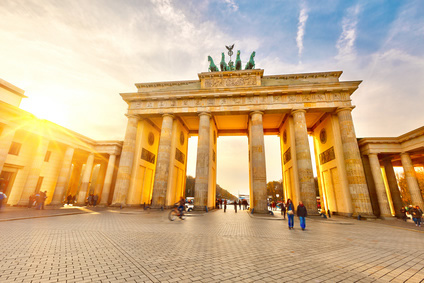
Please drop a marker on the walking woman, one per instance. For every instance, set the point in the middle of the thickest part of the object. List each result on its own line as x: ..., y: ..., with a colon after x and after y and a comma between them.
x: 290, y: 213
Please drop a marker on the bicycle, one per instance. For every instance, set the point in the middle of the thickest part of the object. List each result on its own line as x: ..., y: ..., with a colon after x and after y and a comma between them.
x: 174, y: 213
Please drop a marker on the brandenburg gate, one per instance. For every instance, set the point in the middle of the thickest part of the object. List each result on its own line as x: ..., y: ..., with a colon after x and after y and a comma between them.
x: 163, y: 115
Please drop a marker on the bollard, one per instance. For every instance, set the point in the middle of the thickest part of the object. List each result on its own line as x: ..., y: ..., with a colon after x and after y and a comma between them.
x: 161, y: 208
x: 206, y: 208
x: 251, y: 212
x: 359, y: 217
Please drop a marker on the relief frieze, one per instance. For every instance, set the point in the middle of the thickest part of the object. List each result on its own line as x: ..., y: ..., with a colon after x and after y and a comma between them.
x: 287, y: 156
x: 327, y: 156
x: 179, y: 156
x: 230, y: 82
x: 148, y: 156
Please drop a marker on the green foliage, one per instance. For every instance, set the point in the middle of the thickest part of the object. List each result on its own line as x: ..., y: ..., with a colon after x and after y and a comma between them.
x: 220, y: 192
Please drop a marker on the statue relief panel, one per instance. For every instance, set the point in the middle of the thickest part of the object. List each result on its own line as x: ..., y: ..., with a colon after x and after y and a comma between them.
x: 229, y: 82
x: 292, y: 98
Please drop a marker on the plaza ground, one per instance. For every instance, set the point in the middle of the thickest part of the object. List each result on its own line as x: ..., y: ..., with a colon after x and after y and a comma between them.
x: 132, y: 245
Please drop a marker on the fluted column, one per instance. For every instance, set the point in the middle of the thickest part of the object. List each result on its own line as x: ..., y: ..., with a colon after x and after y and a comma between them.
x: 6, y: 139
x: 202, y: 164
x: 394, y: 189
x: 85, y: 179
x: 34, y: 172
x: 411, y: 180
x: 304, y: 163
x: 108, y: 179
x: 354, y: 169
x: 63, y: 177
x: 383, y: 201
x: 125, y: 163
x: 258, y: 165
x: 160, y: 185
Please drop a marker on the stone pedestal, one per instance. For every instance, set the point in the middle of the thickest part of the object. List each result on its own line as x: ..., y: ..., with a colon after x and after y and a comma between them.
x: 108, y: 180
x: 202, y: 164
x: 258, y: 166
x: 125, y: 163
x: 354, y: 169
x: 383, y: 202
x: 82, y: 195
x: 411, y: 180
x: 62, y: 180
x: 160, y: 185
x: 34, y: 172
x: 304, y: 163
x: 394, y: 189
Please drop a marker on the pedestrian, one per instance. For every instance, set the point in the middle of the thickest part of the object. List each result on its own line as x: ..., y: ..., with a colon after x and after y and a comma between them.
x: 68, y: 199
x: 74, y: 199
x: 413, y: 213
x: 95, y: 199
x: 302, y: 213
x: 235, y: 206
x: 225, y: 205
x: 329, y: 213
x: 2, y: 198
x: 43, y: 196
x: 274, y: 205
x: 403, y: 212
x: 220, y: 203
x: 31, y: 200
x: 217, y: 203
x: 38, y: 201
x: 283, y: 210
x: 239, y: 203
x: 418, y: 215
x: 290, y: 213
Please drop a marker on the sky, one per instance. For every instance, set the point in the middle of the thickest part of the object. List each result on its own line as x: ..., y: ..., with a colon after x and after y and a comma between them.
x: 73, y: 58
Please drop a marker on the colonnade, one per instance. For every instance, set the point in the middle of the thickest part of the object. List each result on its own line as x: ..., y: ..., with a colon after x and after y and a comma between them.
x: 384, y: 200
x: 353, y: 173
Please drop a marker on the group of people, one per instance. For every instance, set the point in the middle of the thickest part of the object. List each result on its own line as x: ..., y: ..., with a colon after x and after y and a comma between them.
x: 92, y: 200
x: 219, y: 204
x: 301, y: 212
x: 273, y: 205
x: 2, y: 197
x: 37, y: 200
x: 415, y: 212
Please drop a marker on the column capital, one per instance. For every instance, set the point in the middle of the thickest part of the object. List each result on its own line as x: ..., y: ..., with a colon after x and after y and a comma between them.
x: 404, y: 153
x: 348, y: 108
x: 294, y: 111
x: 256, y: 112
x: 203, y: 113
x: 168, y: 115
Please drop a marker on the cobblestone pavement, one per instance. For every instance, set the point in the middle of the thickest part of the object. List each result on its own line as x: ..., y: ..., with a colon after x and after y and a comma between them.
x: 135, y: 246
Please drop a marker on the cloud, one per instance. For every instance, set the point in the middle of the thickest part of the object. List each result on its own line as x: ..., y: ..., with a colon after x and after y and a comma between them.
x: 346, y: 41
x: 303, y: 17
x: 232, y: 5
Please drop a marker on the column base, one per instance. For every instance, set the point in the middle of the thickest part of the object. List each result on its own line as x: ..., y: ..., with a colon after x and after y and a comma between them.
x: 203, y: 208
x: 55, y: 204
x: 363, y: 215
x: 387, y: 217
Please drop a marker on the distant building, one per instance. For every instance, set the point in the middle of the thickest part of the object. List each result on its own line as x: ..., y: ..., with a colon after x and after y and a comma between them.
x: 38, y: 155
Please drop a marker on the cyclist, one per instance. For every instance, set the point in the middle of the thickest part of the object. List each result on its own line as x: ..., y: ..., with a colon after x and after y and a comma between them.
x: 181, y: 206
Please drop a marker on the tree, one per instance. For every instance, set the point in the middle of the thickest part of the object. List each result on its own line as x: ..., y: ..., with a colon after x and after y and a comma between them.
x: 273, y: 188
x: 220, y: 192
x: 403, y: 186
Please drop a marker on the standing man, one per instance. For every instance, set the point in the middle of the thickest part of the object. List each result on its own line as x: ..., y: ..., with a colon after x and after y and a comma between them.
x: 2, y: 197
x: 283, y: 210
x: 302, y: 213
x: 290, y: 213
x: 225, y: 205
x: 235, y: 206
x: 43, y: 198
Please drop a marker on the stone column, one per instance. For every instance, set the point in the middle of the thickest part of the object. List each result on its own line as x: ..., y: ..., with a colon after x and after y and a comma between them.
x: 394, y: 189
x: 304, y: 163
x: 34, y: 172
x: 202, y: 164
x: 6, y: 139
x: 258, y: 165
x: 126, y: 163
x: 85, y: 179
x: 108, y: 180
x: 411, y: 180
x: 383, y: 201
x: 63, y: 177
x: 354, y: 168
x: 160, y: 184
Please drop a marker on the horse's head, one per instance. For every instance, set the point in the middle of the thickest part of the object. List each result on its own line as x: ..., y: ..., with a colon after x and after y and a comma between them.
x: 209, y: 58
x: 253, y: 54
x: 238, y: 53
x: 223, y: 55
